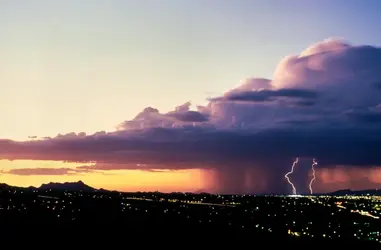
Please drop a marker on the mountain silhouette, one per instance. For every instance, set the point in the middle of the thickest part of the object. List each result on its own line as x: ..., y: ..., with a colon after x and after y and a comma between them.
x: 68, y: 186
x: 356, y: 192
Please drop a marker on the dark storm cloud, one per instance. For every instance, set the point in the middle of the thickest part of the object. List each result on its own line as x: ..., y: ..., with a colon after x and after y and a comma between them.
x: 305, y: 103
x: 330, y: 146
x: 268, y: 95
x: 364, y: 116
x: 232, y: 154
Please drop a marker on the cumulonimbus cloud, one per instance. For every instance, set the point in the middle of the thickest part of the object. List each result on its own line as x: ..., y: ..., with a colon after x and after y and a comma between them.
x: 323, y: 103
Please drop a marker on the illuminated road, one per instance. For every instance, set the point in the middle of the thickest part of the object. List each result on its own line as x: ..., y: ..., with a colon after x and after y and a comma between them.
x: 364, y: 213
x: 183, y: 201
x: 47, y: 197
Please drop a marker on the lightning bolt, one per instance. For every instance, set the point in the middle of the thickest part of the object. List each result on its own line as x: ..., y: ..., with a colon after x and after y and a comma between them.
x: 314, y: 163
x: 288, y: 179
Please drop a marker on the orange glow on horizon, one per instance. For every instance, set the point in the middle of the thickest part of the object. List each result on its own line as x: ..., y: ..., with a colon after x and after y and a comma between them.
x: 121, y: 180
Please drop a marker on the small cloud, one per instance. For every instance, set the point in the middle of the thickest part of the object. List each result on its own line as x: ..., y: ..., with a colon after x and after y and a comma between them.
x: 45, y: 171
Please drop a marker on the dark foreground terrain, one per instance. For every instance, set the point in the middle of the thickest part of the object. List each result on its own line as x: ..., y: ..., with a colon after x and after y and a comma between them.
x: 184, y: 219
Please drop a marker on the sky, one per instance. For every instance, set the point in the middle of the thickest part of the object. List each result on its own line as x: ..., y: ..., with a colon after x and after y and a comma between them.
x: 190, y: 95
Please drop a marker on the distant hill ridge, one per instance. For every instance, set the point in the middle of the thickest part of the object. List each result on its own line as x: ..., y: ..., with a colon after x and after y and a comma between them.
x: 69, y: 186
x: 81, y: 186
x: 356, y: 192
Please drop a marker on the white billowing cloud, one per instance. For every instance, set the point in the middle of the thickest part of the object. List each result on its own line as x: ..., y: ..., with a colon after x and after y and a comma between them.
x: 182, y: 115
x: 328, y: 63
x: 313, y: 66
x: 252, y: 84
x: 183, y: 108
x: 344, y: 78
x: 327, y: 45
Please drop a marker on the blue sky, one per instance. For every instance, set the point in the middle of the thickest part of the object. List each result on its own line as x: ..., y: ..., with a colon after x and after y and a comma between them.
x: 88, y: 65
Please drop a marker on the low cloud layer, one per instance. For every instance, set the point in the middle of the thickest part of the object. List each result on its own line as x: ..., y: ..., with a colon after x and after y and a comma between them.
x: 47, y: 171
x: 323, y: 103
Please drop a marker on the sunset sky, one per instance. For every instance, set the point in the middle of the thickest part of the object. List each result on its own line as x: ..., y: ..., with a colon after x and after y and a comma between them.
x: 176, y: 95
